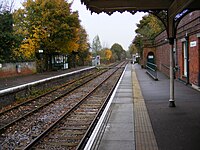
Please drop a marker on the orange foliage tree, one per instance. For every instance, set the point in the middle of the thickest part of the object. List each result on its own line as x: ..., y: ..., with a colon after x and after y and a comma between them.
x: 49, y: 25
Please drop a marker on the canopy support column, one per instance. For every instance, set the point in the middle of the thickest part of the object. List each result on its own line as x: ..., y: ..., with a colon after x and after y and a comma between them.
x: 171, y: 100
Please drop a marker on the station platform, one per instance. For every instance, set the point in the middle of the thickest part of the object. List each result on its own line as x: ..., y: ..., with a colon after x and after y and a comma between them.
x: 129, y: 126
x: 119, y: 131
x: 140, y: 118
x: 10, y: 82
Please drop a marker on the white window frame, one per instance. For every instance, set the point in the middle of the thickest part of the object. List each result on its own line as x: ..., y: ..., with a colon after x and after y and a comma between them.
x: 184, y: 59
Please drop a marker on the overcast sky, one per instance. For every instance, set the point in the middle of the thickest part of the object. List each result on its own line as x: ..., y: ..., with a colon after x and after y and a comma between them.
x: 117, y: 28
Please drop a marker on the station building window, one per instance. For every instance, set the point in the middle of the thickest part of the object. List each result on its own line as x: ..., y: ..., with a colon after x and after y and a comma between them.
x: 184, y: 54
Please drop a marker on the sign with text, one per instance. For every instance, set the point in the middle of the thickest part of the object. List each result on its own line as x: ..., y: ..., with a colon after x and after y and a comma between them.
x: 193, y: 43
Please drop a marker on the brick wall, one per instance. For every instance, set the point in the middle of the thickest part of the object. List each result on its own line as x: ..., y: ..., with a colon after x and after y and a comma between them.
x: 17, y: 69
x: 162, y: 58
x: 194, y: 59
x: 146, y: 51
x: 190, y: 26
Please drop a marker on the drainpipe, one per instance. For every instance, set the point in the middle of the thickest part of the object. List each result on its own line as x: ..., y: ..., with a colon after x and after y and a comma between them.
x: 199, y: 71
x: 199, y: 61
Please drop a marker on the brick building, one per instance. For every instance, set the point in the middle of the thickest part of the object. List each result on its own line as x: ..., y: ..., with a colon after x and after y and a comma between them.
x: 186, y: 50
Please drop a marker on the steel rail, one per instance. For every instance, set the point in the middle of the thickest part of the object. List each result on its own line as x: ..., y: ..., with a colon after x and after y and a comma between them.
x: 52, y: 126
x: 44, y: 94
x: 12, y: 89
x: 93, y: 139
x: 63, y: 85
x: 96, y: 119
x: 46, y: 104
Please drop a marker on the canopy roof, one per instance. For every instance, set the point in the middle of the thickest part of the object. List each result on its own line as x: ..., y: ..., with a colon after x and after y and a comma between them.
x: 170, y: 12
x: 110, y: 6
x: 174, y: 10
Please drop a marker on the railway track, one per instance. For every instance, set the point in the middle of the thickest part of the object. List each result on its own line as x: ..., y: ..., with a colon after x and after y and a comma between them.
x: 16, y: 113
x: 41, y: 122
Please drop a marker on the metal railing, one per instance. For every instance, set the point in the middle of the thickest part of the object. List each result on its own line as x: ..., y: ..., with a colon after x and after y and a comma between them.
x: 151, y: 69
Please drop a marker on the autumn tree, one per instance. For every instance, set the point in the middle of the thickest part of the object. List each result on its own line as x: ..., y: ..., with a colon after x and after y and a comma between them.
x: 108, y: 54
x: 132, y: 49
x: 84, y: 46
x: 105, y: 55
x: 49, y: 25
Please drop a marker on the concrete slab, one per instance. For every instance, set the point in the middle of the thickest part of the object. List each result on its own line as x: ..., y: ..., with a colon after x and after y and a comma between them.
x: 123, y: 95
x: 119, y: 132
x: 117, y: 145
x: 121, y: 117
x: 124, y: 100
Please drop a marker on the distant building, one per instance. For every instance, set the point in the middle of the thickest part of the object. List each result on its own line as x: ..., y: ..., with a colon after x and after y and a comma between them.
x: 96, y: 61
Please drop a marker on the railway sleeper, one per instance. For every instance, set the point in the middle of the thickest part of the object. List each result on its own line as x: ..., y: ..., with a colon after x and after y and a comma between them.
x: 67, y: 137
x: 88, y: 110
x: 78, y: 112
x: 69, y: 144
x: 82, y: 116
x: 78, y: 119
x: 96, y: 96
x: 70, y: 132
x: 94, y: 101
x: 71, y: 123
x: 74, y: 127
x: 91, y: 105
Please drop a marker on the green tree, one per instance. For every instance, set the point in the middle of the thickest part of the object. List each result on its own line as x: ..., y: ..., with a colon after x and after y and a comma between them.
x: 6, y: 37
x: 147, y: 29
x: 84, y: 46
x: 96, y: 44
x: 119, y: 51
x: 149, y: 26
x: 132, y: 49
x: 8, y: 40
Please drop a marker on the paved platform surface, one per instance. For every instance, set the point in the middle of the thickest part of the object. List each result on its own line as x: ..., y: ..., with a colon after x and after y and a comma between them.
x: 119, y: 131
x: 147, y: 119
x: 129, y: 126
x: 175, y: 128
x: 19, y: 80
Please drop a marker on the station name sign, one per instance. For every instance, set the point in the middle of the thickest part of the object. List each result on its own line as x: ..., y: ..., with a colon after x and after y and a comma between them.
x: 193, y: 43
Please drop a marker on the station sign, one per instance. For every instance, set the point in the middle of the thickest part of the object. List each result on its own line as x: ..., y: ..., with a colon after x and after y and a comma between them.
x: 193, y: 43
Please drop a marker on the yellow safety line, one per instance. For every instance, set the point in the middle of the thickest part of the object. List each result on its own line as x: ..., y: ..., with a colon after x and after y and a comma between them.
x: 144, y: 135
